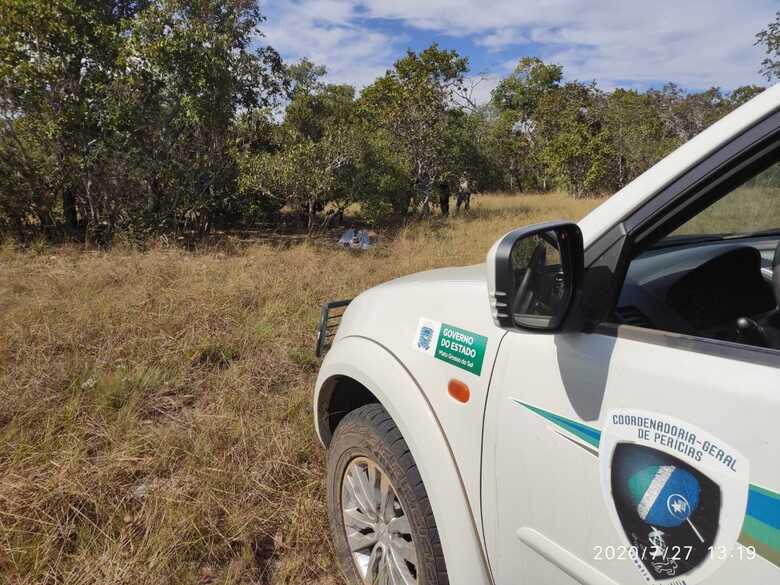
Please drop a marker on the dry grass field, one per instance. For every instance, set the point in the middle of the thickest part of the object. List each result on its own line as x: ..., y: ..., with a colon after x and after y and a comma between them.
x: 155, y: 418
x: 746, y: 209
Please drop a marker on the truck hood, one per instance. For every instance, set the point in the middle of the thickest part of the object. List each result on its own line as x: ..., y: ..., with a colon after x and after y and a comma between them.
x: 389, y: 313
x: 475, y: 275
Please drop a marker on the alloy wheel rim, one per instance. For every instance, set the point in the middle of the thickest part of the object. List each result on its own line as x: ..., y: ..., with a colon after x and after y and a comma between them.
x: 377, y: 528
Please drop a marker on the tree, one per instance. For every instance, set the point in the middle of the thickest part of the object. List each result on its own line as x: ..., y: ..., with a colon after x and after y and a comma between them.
x: 304, y: 77
x: 516, y: 100
x: 124, y: 110
x: 196, y: 70
x: 743, y: 94
x: 321, y: 146
x: 414, y: 103
x: 638, y: 135
x: 310, y: 114
x: 305, y: 175
x: 575, y: 145
x: 528, y: 83
x: 57, y: 62
x: 769, y: 38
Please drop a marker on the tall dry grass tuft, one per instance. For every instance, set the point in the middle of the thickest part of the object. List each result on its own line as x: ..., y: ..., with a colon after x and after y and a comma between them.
x: 156, y: 422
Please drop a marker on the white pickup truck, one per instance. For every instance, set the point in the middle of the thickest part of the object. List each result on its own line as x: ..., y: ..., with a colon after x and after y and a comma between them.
x: 598, y: 403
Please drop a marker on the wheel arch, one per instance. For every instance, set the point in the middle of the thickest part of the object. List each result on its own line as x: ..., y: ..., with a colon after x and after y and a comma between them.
x: 357, y: 371
x: 337, y: 397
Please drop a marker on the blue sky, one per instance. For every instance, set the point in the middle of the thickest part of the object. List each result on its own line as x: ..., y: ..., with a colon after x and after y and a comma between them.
x: 619, y: 44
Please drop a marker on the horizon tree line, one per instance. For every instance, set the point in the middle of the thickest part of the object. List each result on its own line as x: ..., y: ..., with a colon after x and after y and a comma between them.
x: 148, y: 117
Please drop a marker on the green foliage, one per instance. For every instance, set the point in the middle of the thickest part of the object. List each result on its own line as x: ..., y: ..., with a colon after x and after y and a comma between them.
x: 639, y: 137
x: 574, y: 137
x: 160, y: 116
x: 305, y: 174
x: 319, y: 158
x: 574, y: 144
x: 413, y: 103
x: 769, y: 38
x: 523, y: 89
x: 121, y: 114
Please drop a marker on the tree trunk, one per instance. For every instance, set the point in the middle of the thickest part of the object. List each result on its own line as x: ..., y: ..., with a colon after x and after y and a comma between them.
x: 154, y: 198
x: 444, y: 201
x: 311, y: 214
x: 69, y: 211
x: 425, y: 199
x: 425, y: 203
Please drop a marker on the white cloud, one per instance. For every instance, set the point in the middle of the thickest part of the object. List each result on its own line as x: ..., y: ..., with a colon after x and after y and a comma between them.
x: 327, y: 33
x: 502, y: 38
x: 697, y: 44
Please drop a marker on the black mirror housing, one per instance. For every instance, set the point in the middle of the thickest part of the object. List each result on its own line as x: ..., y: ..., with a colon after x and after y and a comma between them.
x: 534, y: 275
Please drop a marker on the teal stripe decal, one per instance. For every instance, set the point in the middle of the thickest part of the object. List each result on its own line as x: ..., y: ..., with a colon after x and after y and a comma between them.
x: 762, y: 517
x: 588, y: 434
x: 764, y: 505
x: 762, y: 523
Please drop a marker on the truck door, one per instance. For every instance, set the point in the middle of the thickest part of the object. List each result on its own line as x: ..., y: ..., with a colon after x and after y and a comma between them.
x: 547, y: 516
x: 647, y: 452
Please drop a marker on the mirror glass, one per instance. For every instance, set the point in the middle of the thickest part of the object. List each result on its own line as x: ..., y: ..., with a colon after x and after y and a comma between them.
x: 541, y: 263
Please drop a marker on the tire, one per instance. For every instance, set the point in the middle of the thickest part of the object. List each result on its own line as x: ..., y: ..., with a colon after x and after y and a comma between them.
x: 367, y: 439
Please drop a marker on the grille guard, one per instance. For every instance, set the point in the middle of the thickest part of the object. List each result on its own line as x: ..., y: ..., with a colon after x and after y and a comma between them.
x: 329, y: 324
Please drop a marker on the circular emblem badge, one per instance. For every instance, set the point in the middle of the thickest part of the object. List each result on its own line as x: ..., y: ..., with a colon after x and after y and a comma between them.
x: 670, y: 498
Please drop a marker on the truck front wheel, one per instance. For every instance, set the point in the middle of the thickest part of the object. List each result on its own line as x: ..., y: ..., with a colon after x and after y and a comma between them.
x: 383, y: 527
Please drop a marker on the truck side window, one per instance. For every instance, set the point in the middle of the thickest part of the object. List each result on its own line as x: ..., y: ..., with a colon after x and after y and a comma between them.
x: 717, y: 274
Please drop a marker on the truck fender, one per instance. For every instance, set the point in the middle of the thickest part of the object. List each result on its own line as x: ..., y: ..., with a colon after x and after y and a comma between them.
x: 379, y: 370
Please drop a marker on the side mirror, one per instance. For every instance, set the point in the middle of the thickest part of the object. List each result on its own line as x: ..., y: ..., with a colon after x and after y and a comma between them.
x: 533, y: 275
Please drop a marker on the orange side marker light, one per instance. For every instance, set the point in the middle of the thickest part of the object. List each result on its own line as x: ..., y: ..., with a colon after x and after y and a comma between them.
x: 459, y: 391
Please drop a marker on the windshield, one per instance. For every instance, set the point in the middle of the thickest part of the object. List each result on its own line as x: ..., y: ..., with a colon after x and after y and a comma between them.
x: 750, y: 209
